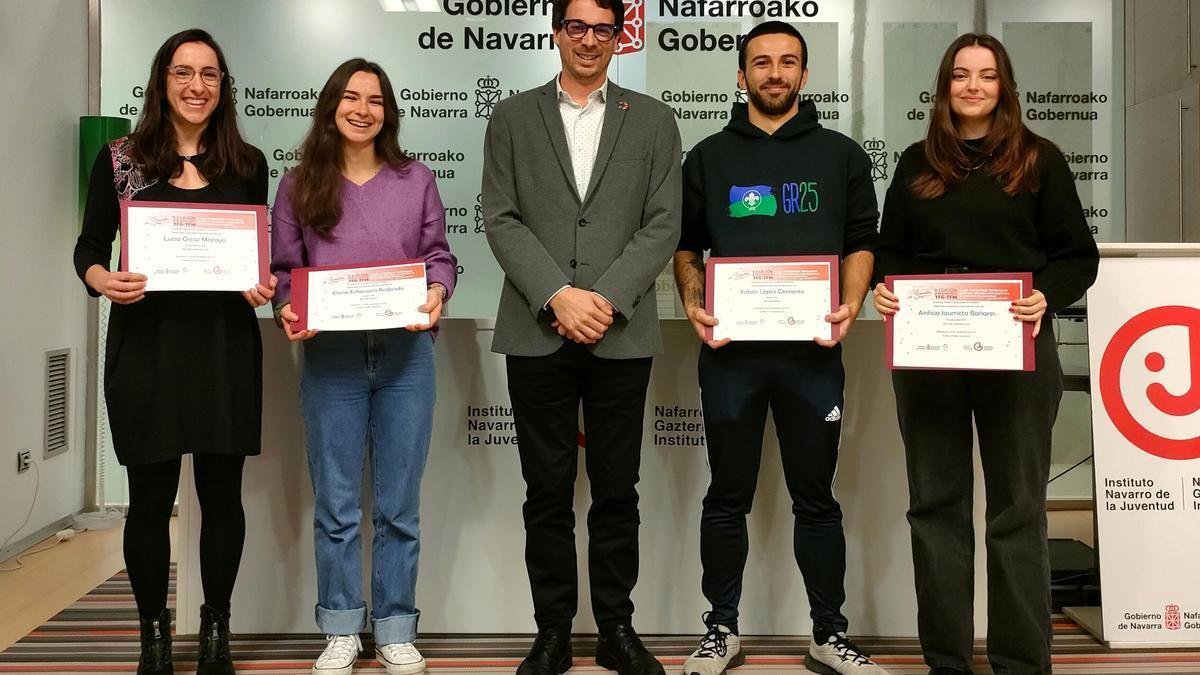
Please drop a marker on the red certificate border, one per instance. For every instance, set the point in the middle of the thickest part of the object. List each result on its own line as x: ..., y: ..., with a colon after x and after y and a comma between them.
x: 260, y: 212
x: 299, y: 299
x: 1026, y: 279
x: 834, y: 277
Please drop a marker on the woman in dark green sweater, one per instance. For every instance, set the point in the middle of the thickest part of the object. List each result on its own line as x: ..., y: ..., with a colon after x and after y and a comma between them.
x: 983, y: 193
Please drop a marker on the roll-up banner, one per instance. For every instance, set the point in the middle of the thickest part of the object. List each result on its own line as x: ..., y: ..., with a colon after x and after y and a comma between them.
x: 1144, y: 335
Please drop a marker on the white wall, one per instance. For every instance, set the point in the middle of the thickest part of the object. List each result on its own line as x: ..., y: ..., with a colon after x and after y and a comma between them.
x: 43, y: 49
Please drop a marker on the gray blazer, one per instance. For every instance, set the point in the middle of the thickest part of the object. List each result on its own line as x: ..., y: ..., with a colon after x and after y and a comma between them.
x: 614, y: 241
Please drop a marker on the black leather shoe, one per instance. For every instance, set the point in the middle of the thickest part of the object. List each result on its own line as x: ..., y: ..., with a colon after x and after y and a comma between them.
x: 156, y: 645
x: 550, y: 654
x: 214, y: 643
x: 620, y: 649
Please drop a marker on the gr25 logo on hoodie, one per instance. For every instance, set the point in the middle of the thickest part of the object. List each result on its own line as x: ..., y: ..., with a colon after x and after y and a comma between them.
x: 760, y: 200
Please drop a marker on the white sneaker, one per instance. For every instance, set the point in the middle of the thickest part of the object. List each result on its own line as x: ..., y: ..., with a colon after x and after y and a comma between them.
x: 400, y: 658
x: 840, y: 656
x: 339, y: 656
x: 719, y: 650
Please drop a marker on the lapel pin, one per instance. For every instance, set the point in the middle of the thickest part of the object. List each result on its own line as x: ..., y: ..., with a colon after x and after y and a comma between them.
x: 622, y: 105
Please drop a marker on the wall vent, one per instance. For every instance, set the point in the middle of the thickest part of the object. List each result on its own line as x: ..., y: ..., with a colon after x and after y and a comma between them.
x: 58, y: 400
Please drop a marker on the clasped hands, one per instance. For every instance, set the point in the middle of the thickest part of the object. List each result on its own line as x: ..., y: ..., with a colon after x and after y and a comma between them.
x: 581, y: 316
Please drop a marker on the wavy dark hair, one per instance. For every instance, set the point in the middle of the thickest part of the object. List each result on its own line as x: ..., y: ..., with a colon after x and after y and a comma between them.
x: 317, y: 192
x: 1011, y: 148
x: 154, y: 148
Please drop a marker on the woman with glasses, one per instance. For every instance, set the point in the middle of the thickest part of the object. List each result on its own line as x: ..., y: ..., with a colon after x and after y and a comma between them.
x: 354, y: 199
x: 983, y: 193
x: 183, y: 369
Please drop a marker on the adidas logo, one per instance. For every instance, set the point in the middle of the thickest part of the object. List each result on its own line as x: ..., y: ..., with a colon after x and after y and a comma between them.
x: 834, y: 415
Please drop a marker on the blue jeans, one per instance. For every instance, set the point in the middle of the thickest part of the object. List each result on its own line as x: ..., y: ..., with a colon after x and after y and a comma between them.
x: 368, y: 390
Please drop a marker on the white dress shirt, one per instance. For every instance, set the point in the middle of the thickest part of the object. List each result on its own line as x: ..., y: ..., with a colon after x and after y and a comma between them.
x: 583, y: 124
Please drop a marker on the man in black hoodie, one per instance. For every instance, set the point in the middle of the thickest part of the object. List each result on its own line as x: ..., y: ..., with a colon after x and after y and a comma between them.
x: 774, y: 145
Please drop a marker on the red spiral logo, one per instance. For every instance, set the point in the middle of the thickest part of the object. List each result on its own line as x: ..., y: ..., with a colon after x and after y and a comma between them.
x: 1175, y: 405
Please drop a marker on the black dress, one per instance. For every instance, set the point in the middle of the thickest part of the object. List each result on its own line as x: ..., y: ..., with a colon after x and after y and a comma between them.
x: 183, y: 369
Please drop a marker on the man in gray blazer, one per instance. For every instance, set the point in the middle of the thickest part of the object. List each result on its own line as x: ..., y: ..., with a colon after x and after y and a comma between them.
x: 581, y: 202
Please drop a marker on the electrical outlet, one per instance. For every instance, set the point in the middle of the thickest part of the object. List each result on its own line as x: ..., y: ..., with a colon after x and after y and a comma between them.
x: 23, y: 459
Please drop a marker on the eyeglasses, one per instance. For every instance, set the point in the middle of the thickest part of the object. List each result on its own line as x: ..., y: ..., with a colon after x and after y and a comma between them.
x: 576, y: 29
x: 184, y: 74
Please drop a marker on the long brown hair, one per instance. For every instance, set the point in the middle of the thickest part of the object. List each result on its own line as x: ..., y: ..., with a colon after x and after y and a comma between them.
x: 1010, y: 145
x: 317, y: 192
x: 154, y: 144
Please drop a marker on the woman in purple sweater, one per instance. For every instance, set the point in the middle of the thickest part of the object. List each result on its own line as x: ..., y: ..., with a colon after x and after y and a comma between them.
x: 357, y: 198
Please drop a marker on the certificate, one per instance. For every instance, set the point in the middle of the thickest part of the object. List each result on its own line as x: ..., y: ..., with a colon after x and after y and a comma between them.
x: 195, y: 247
x: 373, y: 296
x: 772, y: 297
x: 959, y: 322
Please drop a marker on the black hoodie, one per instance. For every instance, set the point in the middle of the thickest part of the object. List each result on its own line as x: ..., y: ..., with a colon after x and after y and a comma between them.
x: 804, y: 190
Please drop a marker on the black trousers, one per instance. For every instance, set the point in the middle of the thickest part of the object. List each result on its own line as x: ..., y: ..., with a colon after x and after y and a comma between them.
x: 1014, y: 413
x: 147, y: 544
x: 546, y: 393
x: 803, y: 385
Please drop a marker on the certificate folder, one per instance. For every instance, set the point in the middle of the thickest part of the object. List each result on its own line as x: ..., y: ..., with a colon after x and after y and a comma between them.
x: 1007, y: 286
x: 786, y: 268
x: 186, y: 209
x: 300, y: 293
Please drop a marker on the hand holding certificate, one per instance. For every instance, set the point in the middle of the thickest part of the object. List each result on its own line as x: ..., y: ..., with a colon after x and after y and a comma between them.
x: 375, y: 296
x: 195, y: 247
x: 772, y: 297
x: 959, y: 322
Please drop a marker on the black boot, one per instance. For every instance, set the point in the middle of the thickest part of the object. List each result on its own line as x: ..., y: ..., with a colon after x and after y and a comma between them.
x: 214, y: 643
x: 156, y: 645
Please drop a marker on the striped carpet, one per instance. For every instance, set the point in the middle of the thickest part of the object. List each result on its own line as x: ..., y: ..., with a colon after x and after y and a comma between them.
x: 98, y: 634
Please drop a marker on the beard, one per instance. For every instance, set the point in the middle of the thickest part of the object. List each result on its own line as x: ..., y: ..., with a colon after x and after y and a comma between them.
x: 768, y: 106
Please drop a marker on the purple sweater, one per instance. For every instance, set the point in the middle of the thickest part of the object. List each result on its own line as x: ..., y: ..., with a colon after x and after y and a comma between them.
x: 395, y: 215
